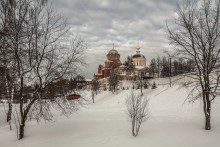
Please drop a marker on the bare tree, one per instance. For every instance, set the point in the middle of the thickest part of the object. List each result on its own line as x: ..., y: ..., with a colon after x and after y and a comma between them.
x: 165, y: 67
x: 95, y: 86
x: 139, y: 79
x: 113, y: 80
x: 158, y: 66
x: 7, y: 63
x: 40, y: 59
x: 153, y: 67
x: 137, y: 110
x: 196, y: 37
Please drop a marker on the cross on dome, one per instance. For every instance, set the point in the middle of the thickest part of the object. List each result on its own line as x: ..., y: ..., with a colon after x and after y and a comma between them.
x: 138, y: 48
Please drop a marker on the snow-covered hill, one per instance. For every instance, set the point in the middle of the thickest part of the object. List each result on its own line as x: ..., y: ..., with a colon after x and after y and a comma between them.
x: 172, y: 123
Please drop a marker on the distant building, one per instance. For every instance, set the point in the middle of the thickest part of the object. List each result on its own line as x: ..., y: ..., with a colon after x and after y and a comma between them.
x: 138, y: 59
x: 123, y: 71
x: 112, y: 62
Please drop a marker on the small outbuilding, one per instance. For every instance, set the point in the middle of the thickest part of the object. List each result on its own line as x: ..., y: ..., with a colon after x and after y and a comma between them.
x: 73, y: 97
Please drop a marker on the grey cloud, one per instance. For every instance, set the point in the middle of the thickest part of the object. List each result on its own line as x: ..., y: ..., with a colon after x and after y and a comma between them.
x: 124, y: 22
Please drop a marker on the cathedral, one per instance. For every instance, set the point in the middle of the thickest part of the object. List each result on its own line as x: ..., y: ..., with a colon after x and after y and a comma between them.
x: 113, y: 62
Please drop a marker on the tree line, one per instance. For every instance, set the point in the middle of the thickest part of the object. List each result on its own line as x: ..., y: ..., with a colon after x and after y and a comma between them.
x: 170, y: 66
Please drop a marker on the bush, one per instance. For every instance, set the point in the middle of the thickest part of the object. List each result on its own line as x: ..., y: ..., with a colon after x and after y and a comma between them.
x: 154, y: 86
x: 133, y: 87
x: 146, y: 86
x: 137, y: 110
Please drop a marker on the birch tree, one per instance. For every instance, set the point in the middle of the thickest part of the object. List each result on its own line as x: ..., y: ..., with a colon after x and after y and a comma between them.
x: 41, y: 56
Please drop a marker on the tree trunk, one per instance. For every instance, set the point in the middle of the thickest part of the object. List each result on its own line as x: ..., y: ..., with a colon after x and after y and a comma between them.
x: 24, y: 117
x: 21, y: 129
x: 138, y: 128
x: 9, y: 114
x: 208, y: 116
x: 133, y: 126
x: 9, y: 111
x: 207, y: 122
x: 141, y: 83
x: 93, y: 95
x: 207, y: 109
x: 141, y: 90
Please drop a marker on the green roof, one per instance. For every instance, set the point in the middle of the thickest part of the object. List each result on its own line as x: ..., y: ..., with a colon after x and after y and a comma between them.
x: 138, y: 56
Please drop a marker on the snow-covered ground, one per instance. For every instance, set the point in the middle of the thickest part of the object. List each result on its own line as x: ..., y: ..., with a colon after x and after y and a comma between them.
x: 2, y: 115
x: 172, y: 123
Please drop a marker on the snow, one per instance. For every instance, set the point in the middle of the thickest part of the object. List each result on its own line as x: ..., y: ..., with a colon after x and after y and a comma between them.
x: 2, y: 115
x: 172, y: 123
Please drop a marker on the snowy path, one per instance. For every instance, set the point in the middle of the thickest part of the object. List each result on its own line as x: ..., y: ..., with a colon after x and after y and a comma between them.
x: 105, y: 124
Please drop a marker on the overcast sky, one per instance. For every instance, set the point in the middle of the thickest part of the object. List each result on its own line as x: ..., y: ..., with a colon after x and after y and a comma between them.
x: 122, y: 22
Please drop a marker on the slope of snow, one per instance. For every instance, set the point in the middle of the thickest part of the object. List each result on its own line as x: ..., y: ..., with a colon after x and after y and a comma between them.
x: 105, y: 124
